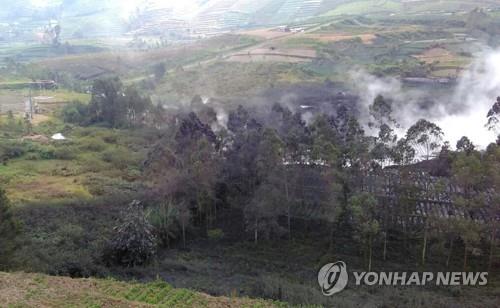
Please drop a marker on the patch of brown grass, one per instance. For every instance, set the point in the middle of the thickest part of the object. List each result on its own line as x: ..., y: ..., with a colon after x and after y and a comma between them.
x: 37, y: 290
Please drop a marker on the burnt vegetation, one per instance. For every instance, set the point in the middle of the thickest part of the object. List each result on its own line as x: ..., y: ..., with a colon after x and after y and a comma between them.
x: 266, y: 177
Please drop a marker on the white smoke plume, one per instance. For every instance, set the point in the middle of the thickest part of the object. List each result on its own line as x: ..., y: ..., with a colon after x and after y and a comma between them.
x: 461, y: 112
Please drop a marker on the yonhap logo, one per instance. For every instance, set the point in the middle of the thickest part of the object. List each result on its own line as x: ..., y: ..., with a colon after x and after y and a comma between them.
x: 332, y: 278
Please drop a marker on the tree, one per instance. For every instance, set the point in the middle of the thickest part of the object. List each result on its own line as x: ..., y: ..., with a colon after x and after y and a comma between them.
x: 9, y: 229
x: 492, y: 190
x: 381, y: 112
x: 164, y: 218
x: 382, y: 152
x: 364, y: 210
x: 295, y: 141
x: 468, y: 175
x: 270, y: 196
x: 262, y: 212
x: 115, y: 105
x: 325, y: 153
x: 106, y: 104
x: 465, y: 145
x: 136, y: 106
x: 426, y: 137
x: 494, y: 116
x: 184, y: 166
x: 403, y: 153
x: 133, y: 242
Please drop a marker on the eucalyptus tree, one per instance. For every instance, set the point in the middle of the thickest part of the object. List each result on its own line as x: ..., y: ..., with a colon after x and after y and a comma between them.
x: 325, y: 152
x: 468, y: 175
x: 364, y: 208
x: 425, y: 137
x: 493, y: 116
x: 465, y: 145
x: 269, y: 199
x: 492, y: 173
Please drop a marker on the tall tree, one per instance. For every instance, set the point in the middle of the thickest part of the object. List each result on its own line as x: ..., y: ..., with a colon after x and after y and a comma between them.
x: 364, y: 210
x: 493, y: 116
x: 106, y: 104
x: 426, y: 137
x: 327, y: 155
x: 468, y: 175
x: 465, y: 145
x: 269, y: 199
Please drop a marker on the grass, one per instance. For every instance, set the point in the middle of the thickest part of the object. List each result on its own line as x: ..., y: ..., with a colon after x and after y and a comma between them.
x: 91, y: 162
x: 36, y: 290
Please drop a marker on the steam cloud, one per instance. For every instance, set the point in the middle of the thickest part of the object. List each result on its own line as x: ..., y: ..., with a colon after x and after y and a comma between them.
x: 462, y: 112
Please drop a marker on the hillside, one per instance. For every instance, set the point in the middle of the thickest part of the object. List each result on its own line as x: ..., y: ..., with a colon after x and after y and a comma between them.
x: 36, y: 290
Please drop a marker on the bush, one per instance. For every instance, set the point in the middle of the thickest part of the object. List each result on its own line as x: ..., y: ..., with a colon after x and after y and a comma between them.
x: 92, y: 164
x: 119, y: 158
x: 215, y: 234
x: 65, y: 153
x: 92, y: 144
x: 38, y: 151
x: 9, y: 150
x: 133, y: 242
x: 75, y: 112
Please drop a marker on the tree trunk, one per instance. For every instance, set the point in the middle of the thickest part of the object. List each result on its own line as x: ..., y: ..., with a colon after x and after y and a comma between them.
x: 424, y: 246
x: 184, y: 234
x: 465, y: 257
x: 256, y: 232
x: 449, y: 253
x: 370, y: 253
x: 288, y: 206
x: 492, y: 248
x: 385, y: 245
x: 332, y: 242
x: 215, y: 209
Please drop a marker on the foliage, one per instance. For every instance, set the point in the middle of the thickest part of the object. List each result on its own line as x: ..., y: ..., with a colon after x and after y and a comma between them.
x: 116, y: 105
x: 133, y: 242
x: 426, y: 137
x: 75, y: 112
x: 9, y: 230
x: 215, y: 234
x: 363, y: 208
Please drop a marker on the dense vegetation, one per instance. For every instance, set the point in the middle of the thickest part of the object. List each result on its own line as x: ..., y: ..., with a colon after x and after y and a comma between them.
x: 272, y: 171
x: 261, y: 177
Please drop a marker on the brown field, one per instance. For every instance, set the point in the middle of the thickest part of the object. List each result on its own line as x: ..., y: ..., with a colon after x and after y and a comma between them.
x: 325, y: 37
x: 436, y: 54
x: 36, y: 290
x: 48, y: 188
x: 122, y: 62
x: 274, y: 55
x: 268, y: 33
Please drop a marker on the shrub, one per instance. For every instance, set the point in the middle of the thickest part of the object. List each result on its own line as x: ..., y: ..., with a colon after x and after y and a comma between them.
x: 65, y: 153
x: 46, y: 152
x: 92, y: 144
x: 92, y: 164
x: 133, y: 242
x: 9, y: 150
x: 215, y: 234
x: 75, y: 112
x: 119, y: 158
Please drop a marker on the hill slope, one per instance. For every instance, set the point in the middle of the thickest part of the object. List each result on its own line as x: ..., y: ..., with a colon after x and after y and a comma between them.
x: 37, y: 290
